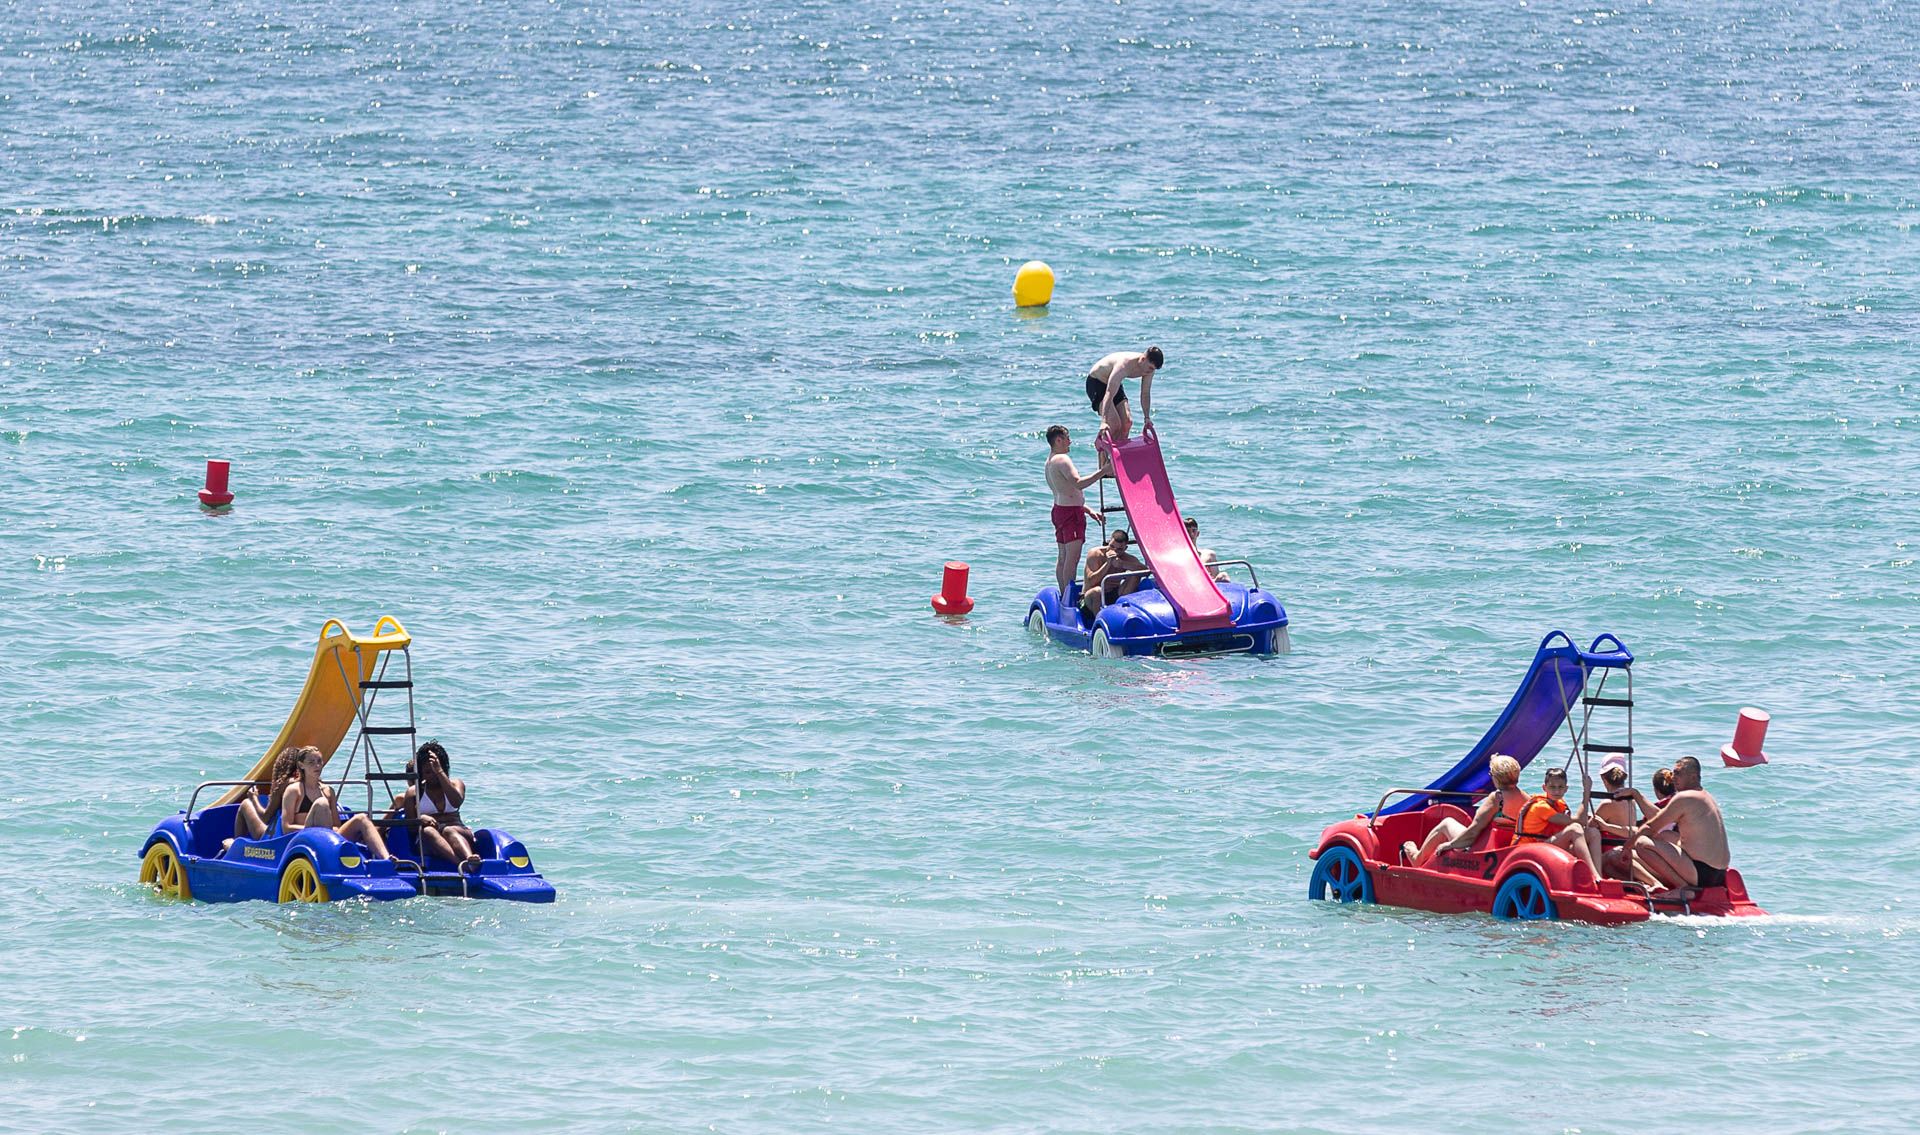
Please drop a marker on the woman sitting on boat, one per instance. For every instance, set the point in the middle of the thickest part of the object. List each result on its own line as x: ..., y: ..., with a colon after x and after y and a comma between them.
x: 254, y: 819
x: 1616, y: 817
x: 307, y: 803
x: 1499, y: 809
x: 435, y: 801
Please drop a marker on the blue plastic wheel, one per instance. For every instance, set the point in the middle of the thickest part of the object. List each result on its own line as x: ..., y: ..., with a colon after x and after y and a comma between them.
x: 1523, y: 897
x: 1340, y: 875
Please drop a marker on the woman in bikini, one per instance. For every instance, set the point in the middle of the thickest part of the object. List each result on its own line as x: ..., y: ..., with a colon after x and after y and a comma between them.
x: 1661, y: 851
x: 435, y: 801
x: 1614, y: 819
x: 255, y: 817
x: 307, y: 803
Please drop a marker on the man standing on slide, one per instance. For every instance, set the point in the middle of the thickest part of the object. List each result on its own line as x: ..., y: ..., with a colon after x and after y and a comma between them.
x: 1070, y: 511
x: 1107, y: 391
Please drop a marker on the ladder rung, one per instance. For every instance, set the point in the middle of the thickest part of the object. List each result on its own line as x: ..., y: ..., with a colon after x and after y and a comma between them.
x: 387, y: 684
x: 388, y: 730
x: 1596, y: 747
x: 406, y: 776
x: 1114, y: 508
x: 1617, y: 703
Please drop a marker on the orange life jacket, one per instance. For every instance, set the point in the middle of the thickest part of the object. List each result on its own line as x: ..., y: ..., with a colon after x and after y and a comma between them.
x: 1534, y: 821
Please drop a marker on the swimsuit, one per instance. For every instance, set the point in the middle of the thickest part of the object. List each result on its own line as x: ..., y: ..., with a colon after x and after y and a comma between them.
x: 1097, y: 392
x: 306, y: 805
x: 1709, y: 876
x: 1069, y: 523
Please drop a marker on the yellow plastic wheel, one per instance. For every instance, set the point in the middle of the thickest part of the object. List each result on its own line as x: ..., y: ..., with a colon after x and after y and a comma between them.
x: 163, y: 871
x: 301, y: 883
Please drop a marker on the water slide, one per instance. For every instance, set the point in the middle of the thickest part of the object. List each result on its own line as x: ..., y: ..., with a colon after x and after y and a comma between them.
x: 1155, y: 520
x: 1552, y: 688
x: 329, y: 704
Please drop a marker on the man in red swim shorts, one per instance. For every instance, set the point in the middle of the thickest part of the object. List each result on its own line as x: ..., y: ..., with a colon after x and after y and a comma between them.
x: 1070, y: 511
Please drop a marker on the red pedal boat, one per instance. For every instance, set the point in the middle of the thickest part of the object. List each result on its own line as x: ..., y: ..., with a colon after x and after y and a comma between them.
x: 1359, y: 860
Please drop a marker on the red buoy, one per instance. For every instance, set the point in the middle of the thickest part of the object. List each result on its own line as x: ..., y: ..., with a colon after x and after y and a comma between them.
x: 953, y: 599
x: 1748, y: 735
x: 215, y: 495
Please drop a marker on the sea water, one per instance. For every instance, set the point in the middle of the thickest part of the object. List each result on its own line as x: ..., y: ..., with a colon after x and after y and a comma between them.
x: 648, y: 363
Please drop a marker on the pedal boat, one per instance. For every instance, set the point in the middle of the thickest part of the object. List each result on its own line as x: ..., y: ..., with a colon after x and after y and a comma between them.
x: 1145, y: 623
x: 1359, y: 860
x: 184, y: 857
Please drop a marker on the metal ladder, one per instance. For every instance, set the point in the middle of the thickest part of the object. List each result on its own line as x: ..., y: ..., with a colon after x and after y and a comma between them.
x: 375, y: 769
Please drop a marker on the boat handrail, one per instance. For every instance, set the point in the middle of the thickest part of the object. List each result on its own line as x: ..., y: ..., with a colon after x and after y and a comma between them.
x: 1253, y: 574
x: 367, y: 782
x: 1374, y: 817
x: 206, y: 784
x: 1216, y: 565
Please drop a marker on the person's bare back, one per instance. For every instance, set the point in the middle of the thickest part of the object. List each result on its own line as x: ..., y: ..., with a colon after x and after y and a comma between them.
x: 1702, y: 829
x: 1106, y: 387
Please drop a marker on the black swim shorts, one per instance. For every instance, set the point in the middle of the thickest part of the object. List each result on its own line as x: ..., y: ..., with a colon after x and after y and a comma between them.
x: 1097, y: 393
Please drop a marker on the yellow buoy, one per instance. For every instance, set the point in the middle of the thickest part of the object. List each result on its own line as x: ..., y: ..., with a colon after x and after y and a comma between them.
x: 1033, y: 285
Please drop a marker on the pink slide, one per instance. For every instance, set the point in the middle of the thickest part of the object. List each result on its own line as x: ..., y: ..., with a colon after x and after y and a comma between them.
x: 1162, y: 535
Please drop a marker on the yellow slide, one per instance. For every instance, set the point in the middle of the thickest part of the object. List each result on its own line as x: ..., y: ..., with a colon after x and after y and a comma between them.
x: 329, y: 704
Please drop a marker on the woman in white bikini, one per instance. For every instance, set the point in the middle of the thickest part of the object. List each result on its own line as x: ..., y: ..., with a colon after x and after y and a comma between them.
x: 435, y: 801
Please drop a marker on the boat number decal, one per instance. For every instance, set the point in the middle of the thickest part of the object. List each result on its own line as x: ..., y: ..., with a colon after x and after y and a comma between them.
x: 1462, y: 861
x: 258, y: 853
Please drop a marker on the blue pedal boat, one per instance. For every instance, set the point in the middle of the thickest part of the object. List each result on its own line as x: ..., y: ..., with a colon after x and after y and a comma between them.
x: 1145, y: 622
x: 193, y: 855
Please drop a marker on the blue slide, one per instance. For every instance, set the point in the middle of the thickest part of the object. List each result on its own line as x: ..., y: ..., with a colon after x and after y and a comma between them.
x: 1551, y: 690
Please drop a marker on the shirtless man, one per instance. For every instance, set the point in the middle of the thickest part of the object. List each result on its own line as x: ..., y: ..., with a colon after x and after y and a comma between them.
x: 1110, y: 558
x: 1702, y: 831
x: 1106, y: 388
x: 1070, y: 511
x: 1207, y: 559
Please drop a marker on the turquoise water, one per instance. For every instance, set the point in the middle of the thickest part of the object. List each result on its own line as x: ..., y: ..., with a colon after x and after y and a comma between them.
x: 648, y: 365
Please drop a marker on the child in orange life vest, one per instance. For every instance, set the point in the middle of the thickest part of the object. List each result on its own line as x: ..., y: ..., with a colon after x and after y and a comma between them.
x: 1545, y: 819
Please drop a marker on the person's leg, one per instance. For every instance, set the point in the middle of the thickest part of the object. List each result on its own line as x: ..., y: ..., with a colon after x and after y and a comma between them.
x: 1441, y: 833
x: 434, y: 842
x: 1120, y: 420
x: 248, y: 823
x: 362, y: 830
x: 461, y: 840
x: 1668, y: 867
x: 1065, y: 563
x: 1573, y: 838
x: 322, y: 815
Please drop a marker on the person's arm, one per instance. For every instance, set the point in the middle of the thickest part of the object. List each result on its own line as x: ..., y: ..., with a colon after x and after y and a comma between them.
x: 1090, y: 478
x: 1146, y: 399
x: 453, y: 792
x: 1106, y: 402
x: 1658, y: 820
x: 1489, y: 808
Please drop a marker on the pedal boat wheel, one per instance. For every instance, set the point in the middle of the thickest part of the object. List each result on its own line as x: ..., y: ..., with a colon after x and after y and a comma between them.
x: 1340, y: 875
x: 1524, y: 898
x: 162, y: 870
x: 301, y: 883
